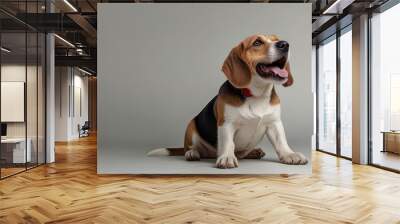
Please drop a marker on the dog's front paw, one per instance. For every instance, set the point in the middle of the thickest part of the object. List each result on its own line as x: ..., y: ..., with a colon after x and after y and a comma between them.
x: 227, y: 162
x: 293, y: 158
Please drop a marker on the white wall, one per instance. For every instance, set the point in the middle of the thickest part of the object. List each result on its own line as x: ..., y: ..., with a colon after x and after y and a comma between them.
x: 79, y: 117
x: 61, y: 99
x: 70, y: 83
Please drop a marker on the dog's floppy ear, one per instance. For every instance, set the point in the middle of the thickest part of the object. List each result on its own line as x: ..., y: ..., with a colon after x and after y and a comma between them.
x: 236, y: 69
x: 290, y: 80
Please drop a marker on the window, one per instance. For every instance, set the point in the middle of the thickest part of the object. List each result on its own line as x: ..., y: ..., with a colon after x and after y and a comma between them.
x: 385, y: 89
x: 327, y: 96
x: 333, y: 137
x: 346, y: 95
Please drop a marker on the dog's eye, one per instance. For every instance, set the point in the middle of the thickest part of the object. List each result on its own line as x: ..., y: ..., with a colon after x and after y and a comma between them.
x: 258, y: 43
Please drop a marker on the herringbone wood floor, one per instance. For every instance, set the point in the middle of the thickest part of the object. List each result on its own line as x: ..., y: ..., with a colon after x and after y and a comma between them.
x: 70, y: 191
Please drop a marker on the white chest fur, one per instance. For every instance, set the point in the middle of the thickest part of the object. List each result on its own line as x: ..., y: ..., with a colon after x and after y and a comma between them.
x: 256, y: 108
x: 251, y: 120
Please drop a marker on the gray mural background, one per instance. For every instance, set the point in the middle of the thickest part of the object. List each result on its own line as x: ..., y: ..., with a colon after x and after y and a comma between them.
x: 160, y: 64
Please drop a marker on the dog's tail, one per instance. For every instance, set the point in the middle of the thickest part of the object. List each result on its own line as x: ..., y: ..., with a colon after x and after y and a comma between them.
x: 167, y: 152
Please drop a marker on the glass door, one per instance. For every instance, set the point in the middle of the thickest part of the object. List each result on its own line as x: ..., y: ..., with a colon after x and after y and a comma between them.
x: 14, y: 153
x: 22, y: 101
x: 326, y: 136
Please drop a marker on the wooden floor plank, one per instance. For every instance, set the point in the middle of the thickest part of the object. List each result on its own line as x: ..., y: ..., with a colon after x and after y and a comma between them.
x: 70, y: 191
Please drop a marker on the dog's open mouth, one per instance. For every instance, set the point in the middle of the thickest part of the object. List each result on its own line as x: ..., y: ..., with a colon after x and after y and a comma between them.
x: 275, y: 70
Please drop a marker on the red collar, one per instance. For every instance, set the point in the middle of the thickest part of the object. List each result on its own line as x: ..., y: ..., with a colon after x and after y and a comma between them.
x: 246, y: 92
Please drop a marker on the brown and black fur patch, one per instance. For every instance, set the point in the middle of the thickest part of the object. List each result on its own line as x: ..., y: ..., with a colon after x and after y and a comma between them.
x: 206, y: 122
x: 231, y: 95
x: 212, y: 116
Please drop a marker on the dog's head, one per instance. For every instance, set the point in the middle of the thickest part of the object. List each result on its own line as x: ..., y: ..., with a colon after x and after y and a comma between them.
x: 262, y: 57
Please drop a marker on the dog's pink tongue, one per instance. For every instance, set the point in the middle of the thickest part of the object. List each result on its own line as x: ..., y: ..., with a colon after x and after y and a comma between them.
x: 277, y: 71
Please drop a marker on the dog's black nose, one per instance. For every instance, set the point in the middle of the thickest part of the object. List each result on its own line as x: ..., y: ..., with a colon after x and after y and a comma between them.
x: 282, y: 45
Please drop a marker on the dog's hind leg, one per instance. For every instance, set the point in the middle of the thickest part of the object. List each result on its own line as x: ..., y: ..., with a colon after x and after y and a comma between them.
x: 192, y: 155
x: 191, y: 143
x: 250, y: 154
x: 255, y: 154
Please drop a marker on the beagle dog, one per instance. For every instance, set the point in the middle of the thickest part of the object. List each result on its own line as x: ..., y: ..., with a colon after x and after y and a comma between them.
x: 246, y: 108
